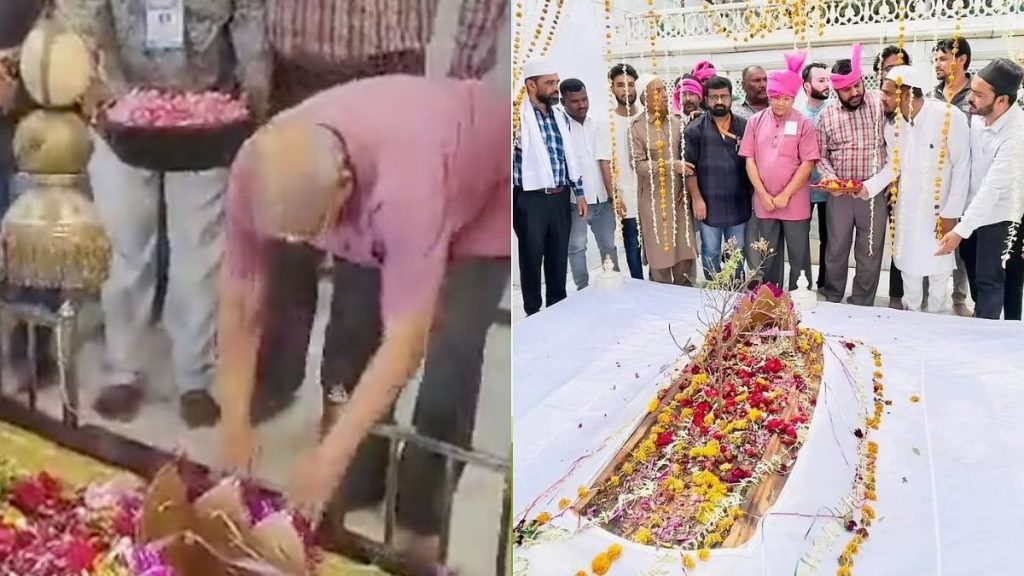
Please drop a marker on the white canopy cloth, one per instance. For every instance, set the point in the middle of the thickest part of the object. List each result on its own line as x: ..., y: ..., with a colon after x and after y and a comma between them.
x: 949, y: 472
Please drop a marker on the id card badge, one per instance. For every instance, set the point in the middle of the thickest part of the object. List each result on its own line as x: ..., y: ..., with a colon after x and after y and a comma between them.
x: 165, y: 24
x: 790, y: 129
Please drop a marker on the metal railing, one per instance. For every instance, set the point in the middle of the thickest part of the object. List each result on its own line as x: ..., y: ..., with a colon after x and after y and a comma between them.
x: 384, y: 554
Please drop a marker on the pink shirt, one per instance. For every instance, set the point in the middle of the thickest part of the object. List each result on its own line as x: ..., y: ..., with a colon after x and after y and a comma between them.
x: 779, y: 146
x: 432, y: 167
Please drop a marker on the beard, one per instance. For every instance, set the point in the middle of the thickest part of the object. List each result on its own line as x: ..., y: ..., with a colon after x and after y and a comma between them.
x: 983, y: 111
x: 819, y: 95
x: 850, y: 106
x: 719, y: 111
x: 549, y: 99
x: 626, y: 101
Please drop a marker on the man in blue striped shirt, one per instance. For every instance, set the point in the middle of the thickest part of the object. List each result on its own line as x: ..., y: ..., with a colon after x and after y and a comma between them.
x: 544, y: 175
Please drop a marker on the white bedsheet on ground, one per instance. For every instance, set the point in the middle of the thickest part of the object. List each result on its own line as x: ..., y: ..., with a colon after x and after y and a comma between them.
x: 584, y: 371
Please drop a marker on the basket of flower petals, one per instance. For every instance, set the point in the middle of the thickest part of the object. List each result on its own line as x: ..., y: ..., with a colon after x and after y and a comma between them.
x: 716, y: 447
x: 177, y: 526
x: 838, y: 186
x: 175, y: 131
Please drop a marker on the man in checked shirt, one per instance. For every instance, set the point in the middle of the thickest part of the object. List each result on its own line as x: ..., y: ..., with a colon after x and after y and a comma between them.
x: 318, y: 44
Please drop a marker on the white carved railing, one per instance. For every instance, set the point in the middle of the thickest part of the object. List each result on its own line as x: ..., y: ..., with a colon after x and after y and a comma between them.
x: 699, y: 22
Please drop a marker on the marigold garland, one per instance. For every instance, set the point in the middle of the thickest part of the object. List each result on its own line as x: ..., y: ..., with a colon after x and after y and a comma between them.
x: 940, y: 164
x: 894, y: 189
x: 616, y: 196
x: 517, y: 47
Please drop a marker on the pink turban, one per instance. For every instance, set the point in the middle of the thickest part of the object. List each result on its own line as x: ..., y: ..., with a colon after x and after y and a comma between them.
x: 704, y: 70
x: 686, y: 85
x: 787, y: 82
x: 841, y: 81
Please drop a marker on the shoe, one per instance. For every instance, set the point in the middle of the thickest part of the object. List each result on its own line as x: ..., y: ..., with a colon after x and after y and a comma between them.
x: 896, y: 304
x: 119, y: 402
x: 198, y: 409
x: 963, y: 310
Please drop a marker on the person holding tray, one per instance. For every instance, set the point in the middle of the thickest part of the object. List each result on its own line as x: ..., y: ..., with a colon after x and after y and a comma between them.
x: 220, y: 45
x: 418, y: 225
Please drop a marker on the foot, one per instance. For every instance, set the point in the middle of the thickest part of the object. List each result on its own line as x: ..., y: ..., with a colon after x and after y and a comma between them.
x: 198, y: 409
x: 962, y: 310
x: 119, y: 402
x: 421, y: 553
x: 896, y: 304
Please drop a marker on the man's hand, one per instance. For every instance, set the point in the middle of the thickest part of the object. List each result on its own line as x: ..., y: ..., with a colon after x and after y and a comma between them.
x: 861, y: 193
x: 314, y: 479
x: 780, y: 201
x: 766, y: 200
x: 682, y: 168
x: 700, y: 209
x: 581, y: 206
x: 950, y: 242
x: 239, y: 448
x: 620, y: 206
x: 947, y: 225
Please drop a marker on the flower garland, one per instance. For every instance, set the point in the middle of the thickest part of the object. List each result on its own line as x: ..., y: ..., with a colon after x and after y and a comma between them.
x: 894, y: 189
x: 863, y: 491
x: 762, y: 21
x: 517, y: 47
x: 616, y: 196
x: 939, y: 165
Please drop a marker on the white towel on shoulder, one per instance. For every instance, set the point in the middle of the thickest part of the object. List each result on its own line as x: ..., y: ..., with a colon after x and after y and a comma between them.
x: 537, y: 172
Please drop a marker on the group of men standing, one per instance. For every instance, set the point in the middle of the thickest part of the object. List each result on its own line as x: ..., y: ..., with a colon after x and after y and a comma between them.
x: 940, y: 167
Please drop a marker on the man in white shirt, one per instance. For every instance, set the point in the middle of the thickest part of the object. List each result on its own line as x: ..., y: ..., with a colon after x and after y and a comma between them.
x: 592, y: 147
x: 623, y: 79
x: 932, y: 140
x: 994, y: 203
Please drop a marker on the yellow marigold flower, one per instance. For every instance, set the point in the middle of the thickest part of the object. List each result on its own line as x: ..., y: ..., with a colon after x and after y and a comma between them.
x: 870, y: 495
x: 818, y: 339
x: 742, y: 397
x: 582, y: 491
x: 843, y: 571
x: 627, y: 468
x: 653, y: 406
x: 700, y: 379
x: 712, y: 539
x: 704, y: 554
x: 736, y: 512
x: 725, y: 467
x: 643, y: 536
x: 915, y: 398
x: 688, y: 562
x: 656, y: 521
x: 615, y: 480
x: 676, y: 469
x: 679, y: 397
x: 581, y: 573
x: 709, y: 420
x: 543, y: 518
x: 754, y: 414
x: 600, y: 564
x: 664, y: 418
x: 872, y: 447
x: 657, y: 429
x: 614, y: 551
x: 686, y: 414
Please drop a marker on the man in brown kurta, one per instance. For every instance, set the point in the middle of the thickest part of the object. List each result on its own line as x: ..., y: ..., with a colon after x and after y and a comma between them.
x: 670, y: 244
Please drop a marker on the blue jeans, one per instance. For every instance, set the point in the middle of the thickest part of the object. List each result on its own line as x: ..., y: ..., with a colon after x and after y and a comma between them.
x: 711, y: 240
x: 601, y: 219
x: 631, y: 243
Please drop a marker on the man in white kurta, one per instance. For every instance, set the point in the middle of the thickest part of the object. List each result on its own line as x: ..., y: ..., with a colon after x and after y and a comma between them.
x: 917, y: 135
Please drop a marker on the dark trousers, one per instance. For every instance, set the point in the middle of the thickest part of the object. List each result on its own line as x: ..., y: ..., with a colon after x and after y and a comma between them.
x: 631, y: 244
x: 996, y: 291
x: 542, y: 223
x: 822, y: 242
x: 895, y: 280
x: 447, y: 399
x: 787, y: 238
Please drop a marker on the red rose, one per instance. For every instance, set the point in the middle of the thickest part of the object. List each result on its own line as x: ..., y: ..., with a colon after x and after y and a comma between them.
x: 773, y: 365
x: 664, y: 439
x: 49, y: 484
x: 28, y: 497
x: 81, y: 556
